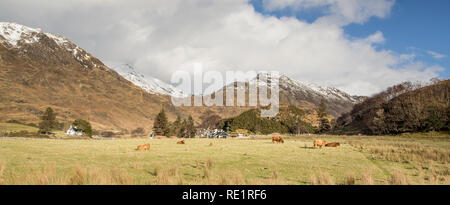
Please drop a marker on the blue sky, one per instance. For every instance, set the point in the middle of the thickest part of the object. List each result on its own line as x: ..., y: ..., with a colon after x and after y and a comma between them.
x: 417, y: 27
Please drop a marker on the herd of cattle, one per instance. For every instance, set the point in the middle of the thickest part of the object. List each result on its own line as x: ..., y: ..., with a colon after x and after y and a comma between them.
x: 316, y: 143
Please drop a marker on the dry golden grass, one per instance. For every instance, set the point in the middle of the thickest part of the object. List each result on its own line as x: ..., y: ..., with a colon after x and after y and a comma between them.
x: 360, y: 160
x: 428, y: 157
x: 2, y: 169
x: 350, y: 179
x: 321, y: 178
x: 46, y: 175
x: 83, y: 176
x: 405, y: 153
x: 93, y: 176
x: 366, y: 179
x: 14, y: 127
x: 121, y: 177
x: 399, y: 178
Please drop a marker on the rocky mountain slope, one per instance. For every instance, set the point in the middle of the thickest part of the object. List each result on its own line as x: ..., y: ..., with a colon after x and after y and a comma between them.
x: 298, y: 94
x: 39, y: 69
x: 309, y: 96
x: 148, y: 83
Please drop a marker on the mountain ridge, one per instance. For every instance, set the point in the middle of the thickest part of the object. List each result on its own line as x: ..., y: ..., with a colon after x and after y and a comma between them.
x: 40, y: 70
x: 148, y: 83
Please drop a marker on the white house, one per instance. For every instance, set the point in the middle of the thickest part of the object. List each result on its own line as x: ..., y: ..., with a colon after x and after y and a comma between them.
x: 74, y: 131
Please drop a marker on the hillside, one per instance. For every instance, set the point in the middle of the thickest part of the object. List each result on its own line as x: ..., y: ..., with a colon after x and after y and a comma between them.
x: 38, y: 70
x: 401, y: 108
x: 298, y: 94
x: 148, y: 83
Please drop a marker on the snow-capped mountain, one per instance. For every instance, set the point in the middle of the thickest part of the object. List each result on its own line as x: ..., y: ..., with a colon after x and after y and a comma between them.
x: 50, y: 69
x: 148, y: 83
x: 295, y: 87
x: 25, y: 39
x: 39, y: 70
x: 314, y: 89
x: 13, y: 33
x: 293, y: 92
x: 19, y: 37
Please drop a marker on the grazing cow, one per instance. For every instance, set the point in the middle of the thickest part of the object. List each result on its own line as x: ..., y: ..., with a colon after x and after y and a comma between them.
x: 160, y: 137
x: 143, y: 147
x: 277, y: 139
x: 319, y: 143
x: 333, y: 144
x: 181, y: 142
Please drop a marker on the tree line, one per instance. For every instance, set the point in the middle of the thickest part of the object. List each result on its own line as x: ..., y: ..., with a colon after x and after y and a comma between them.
x: 181, y: 128
x: 405, y: 107
x: 289, y: 120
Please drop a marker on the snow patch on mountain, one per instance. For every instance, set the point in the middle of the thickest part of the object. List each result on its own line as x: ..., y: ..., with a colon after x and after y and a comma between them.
x: 148, y: 83
x: 16, y: 35
x: 295, y: 87
x: 12, y: 33
x: 331, y: 92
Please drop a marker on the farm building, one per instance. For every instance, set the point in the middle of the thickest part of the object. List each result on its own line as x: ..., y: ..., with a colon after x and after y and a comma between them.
x: 73, y: 131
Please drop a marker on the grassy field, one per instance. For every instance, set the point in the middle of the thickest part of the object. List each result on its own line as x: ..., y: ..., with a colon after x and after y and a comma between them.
x: 410, y: 159
x: 26, y: 131
x: 14, y: 127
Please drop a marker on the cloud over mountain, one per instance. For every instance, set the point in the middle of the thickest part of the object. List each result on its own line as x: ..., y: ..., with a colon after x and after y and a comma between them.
x: 161, y: 36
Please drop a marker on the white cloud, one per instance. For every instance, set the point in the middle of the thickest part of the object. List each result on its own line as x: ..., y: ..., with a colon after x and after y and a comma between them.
x: 436, y: 55
x: 338, y: 11
x: 162, y: 36
x: 375, y: 38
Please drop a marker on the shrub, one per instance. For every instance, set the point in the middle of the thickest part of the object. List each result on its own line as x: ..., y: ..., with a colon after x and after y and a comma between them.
x: 13, y: 121
x: 107, y: 134
x: 138, y: 131
x: 83, y: 125
x: 32, y: 125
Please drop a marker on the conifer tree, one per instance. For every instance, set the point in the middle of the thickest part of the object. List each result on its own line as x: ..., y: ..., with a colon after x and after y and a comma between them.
x: 48, y: 121
x: 324, y: 125
x: 182, y: 131
x: 322, y: 113
x: 161, y: 125
x: 176, y: 127
x: 190, y: 127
